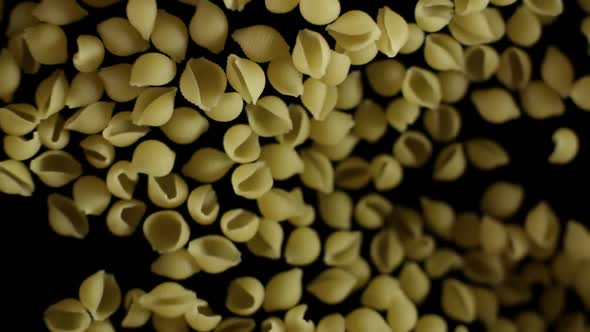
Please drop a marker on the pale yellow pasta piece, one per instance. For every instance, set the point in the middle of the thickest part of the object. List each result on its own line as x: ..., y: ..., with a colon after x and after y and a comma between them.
x: 124, y: 216
x: 380, y: 292
x: 466, y: 7
x: 280, y: 205
x: 91, y: 195
x: 433, y: 15
x: 450, y: 163
x: 361, y: 269
x: 545, y: 8
x: 261, y: 43
x: 481, y: 62
x: 482, y: 27
x: 412, y: 149
x: 370, y: 122
x: 116, y: 83
x: 228, y: 108
x: 283, y: 290
x: 101, y: 326
x: 168, y: 299
x: 340, y: 151
x: 458, y: 301
x: 166, y: 231
x: 168, y: 192
x: 246, y: 77
x: 164, y: 324
x: 21, y: 17
x: 402, y: 314
x: 120, y: 38
x: 306, y: 217
x: 208, y: 27
x: 350, y: 91
x: 330, y: 323
x: 203, y: 205
x: 201, y: 318
x: 236, y: 324
x: 67, y: 315
x: 280, y: 7
x: 342, y: 248
x: 540, y: 101
x: 11, y: 73
x: 91, y: 119
x: 284, y: 77
x: 371, y: 211
x: 303, y: 246
x: 335, y: 209
x: 515, y: 68
x: 295, y: 319
x: 47, y: 43
x: 22, y: 54
x: 214, y: 253
x: 142, y: 16
x: 578, y: 93
x: 244, y: 296
x: 483, y: 268
x: 407, y: 222
x: 414, y: 282
x: 443, y: 53
x: 564, y: 265
x: 386, y: 251
x: 502, y: 199
x: 239, y: 225
x: 486, y: 154
x: 56, y: 168
x: 359, y: 57
x: 152, y: 69
x: 241, y: 144
x: 442, y: 262
x: 143, y: 161
x: 332, y: 129
x: 18, y: 119
x: 524, y: 28
x: 185, y: 126
x: 557, y: 71
x: 311, y: 53
x: 431, y: 323
x: 100, y: 294
x: 154, y: 106
x: 236, y: 5
x: 420, y: 86
x: 495, y: 105
x: 442, y: 123
x: 415, y: 39
x: 50, y: 95
x: 385, y: 77
x: 320, y: 12
x: 501, y: 3
x: 283, y: 160
x: 502, y: 324
x: 354, y: 30
x: 486, y: 305
x: 170, y: 35
x: 90, y: 53
x: 466, y: 224
x: 352, y: 173
x: 453, y: 86
x: 337, y: 70
x: 203, y: 83
x: 252, y: 180
x: 59, y: 12
x: 514, y: 291
x: 121, y: 179
x: 16, y: 178
x: 363, y: 319
x: 318, y: 172
x: 394, y: 31
x: 136, y: 315
x: 319, y: 98
x: 268, y: 240
x: 542, y: 225
x: 99, y: 152
x: 100, y: 3
x: 177, y: 265
x: 401, y: 113
x: 207, y: 165
x: 21, y: 148
x: 518, y: 243
x: 85, y: 89
x: 575, y: 241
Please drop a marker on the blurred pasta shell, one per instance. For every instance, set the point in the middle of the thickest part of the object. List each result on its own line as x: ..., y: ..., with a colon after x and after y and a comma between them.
x: 443, y: 53
x: 214, y: 253
x: 261, y: 43
x: 578, y: 93
x: 414, y: 282
x: 207, y: 165
x: 421, y: 86
x: 480, y: 27
x: 101, y: 326
x: 279, y: 205
x: 318, y: 172
x: 394, y: 31
x: 335, y: 209
x: 523, y: 28
x: 481, y: 62
x: 575, y: 241
x: 269, y: 117
x: 486, y: 154
x: 268, y: 240
x: 402, y: 314
x: 176, y: 265
x: 16, y: 178
x: 458, y: 301
x: 283, y: 160
x: 246, y: 77
x: 203, y: 205
x: 439, y: 216
x: 154, y: 106
x: 205, y: 93
x: 502, y: 199
x: 386, y: 251
x: 360, y: 57
x: 152, y: 69
x: 252, y: 180
x: 518, y: 243
x: 120, y: 38
x: 453, y: 85
x: 142, y: 16
x: 65, y: 218
x: 332, y: 286
x: 18, y: 119
x: 295, y: 319
x: 21, y: 148
x: 340, y: 151
x: 168, y: 299
x: 121, y: 179
x: 21, y: 17
x: 311, y: 53
x: 47, y: 43
x: 280, y: 7
x: 385, y: 77
x: 362, y: 318
x: 170, y: 35
x: 515, y: 68
x: 59, y: 12
x: 566, y: 146
x: 91, y: 119
x: 320, y: 12
x: 124, y: 216
x: 56, y: 168
x: 319, y: 98
x: 168, y: 192
x: 100, y: 3
x: 407, y: 222
x: 466, y: 7
x: 370, y: 122
x: 164, y: 324
x: 412, y: 149
x: 450, y: 163
x: 433, y: 15
x: 331, y: 323
x: 350, y: 91
x: 542, y: 225
x: 136, y: 315
x: 306, y: 217
x: 332, y: 129
x: 540, y: 101
x: 352, y: 173
x: 483, y: 268
x: 239, y: 225
x: 116, y: 83
x: 10, y: 71
x: 401, y: 113
x: 337, y: 70
x: 22, y: 54
x: 143, y: 161
x: 208, y: 27
x: 354, y: 30
x: 545, y: 8
x: 342, y: 248
x: 50, y: 95
x: 185, y: 126
x: 67, y: 315
x: 90, y: 53
x: 442, y: 123
x: 557, y: 71
x: 236, y: 5
x: 303, y: 246
x: 380, y: 292
x: 85, y: 89
x: 431, y: 322
x: 241, y: 144
x: 91, y: 195
x: 236, y: 324
x: 100, y: 294
x: 415, y: 39
x: 166, y: 231
x: 441, y: 262
x: 244, y: 296
x: 495, y: 105
x: 122, y: 132
x: 284, y: 77
x: 201, y: 318
x: 371, y: 211
x: 486, y: 303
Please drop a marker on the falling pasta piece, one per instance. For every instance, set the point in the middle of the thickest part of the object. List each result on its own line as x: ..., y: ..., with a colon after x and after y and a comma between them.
x: 207, y: 165
x: 303, y: 247
x: 207, y: 94
x: 142, y: 16
x: 371, y: 211
x: 168, y: 299
x: 363, y: 318
x: 575, y: 241
x: 283, y: 160
x: 402, y: 314
x: 22, y: 54
x: 21, y: 17
x: 246, y: 77
x: 47, y: 44
x: 241, y: 144
x: 252, y: 180
x: 454, y: 85
x: 380, y: 292
x: 360, y: 57
x: 280, y: 7
x: 239, y: 225
x: 443, y: 53
x: 56, y: 168
x: 10, y: 71
x: 578, y: 93
x: 203, y: 204
x: 335, y: 209
x: 91, y: 195
x: 332, y: 285
x: 442, y: 123
x: 280, y: 205
x: 319, y: 98
x: 450, y: 164
x: 332, y: 129
x: 166, y: 231
x: 20, y: 148
x: 244, y: 296
x: 284, y: 77
x: 415, y: 39
x: 318, y: 172
x: 100, y: 294
x: 208, y: 27
x: 136, y: 315
x: 59, y: 12
x: 152, y: 69
x: 342, y: 248
x: 19, y: 119
x: 458, y: 301
x: 386, y: 251
x: 143, y: 162
x: 177, y: 265
x: 481, y: 62
x: 352, y: 173
x: 433, y: 15
x: 545, y: 8
x: 50, y: 95
x: 431, y: 322
x: 350, y: 91
x: 214, y: 253
x: 420, y: 86
x: 354, y: 30
x: 170, y: 35
x: 124, y: 217
x: 268, y: 240
x: 523, y: 28
x: 481, y: 27
x: 201, y: 318
x: 502, y: 199
x: 185, y: 126
x: 283, y: 290
x: 261, y: 43
x: 412, y: 149
x: 120, y: 37
x: 331, y: 323
x: 557, y: 71
x: 495, y: 105
x: 385, y: 77
x: 515, y: 68
x: 16, y: 178
x: 442, y: 262
x: 370, y: 122
x: 168, y: 192
x: 67, y: 315
x: 486, y: 154
x: 401, y: 113
x: 414, y: 282
x: 91, y: 119
x: 394, y: 31
x: 85, y: 89
x: 311, y: 53
x: 542, y: 225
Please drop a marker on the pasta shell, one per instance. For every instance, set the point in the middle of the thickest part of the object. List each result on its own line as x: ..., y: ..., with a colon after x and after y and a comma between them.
x: 59, y: 12
x: 116, y: 83
x: 518, y: 243
x: 239, y: 225
x: 443, y: 123
x: 557, y: 71
x: 252, y: 180
x: 21, y: 17
x: 433, y: 15
x: 122, y: 132
x: 542, y: 225
x: 414, y: 282
x: 9, y: 69
x: 515, y: 68
x: 284, y: 77
x: 453, y: 86
x: 16, y: 178
x: 169, y: 300
x: 142, y: 16
x: 332, y: 129
x: 483, y: 268
x: 279, y: 205
x: 401, y: 113
x: 531, y: 319
x: 236, y: 324
x: 295, y: 319
x: 246, y: 77
x: 166, y: 231
x: 466, y: 7
x: 203, y: 205
x: 208, y: 27
x: 575, y: 244
x: 56, y: 168
x: 564, y: 266
x: 523, y: 28
x: 177, y: 265
x: 457, y: 301
x: 486, y: 154
x: 100, y: 294
x: 318, y: 172
x: 402, y: 314
x: 91, y: 195
x: 98, y: 151
x: 122, y: 178
x: 319, y: 12
x: 578, y: 94
x: 244, y: 296
x: 143, y: 161
x: 168, y: 192
x: 380, y: 292
x: 486, y: 26
x: 241, y: 144
x: 207, y: 165
x: 170, y: 35
x: 91, y: 119
x: 361, y: 269
x: 306, y: 217
x: 360, y: 57
x: 546, y: 8
x: 236, y: 5
x: 283, y: 290
x: 350, y: 91
x: 540, y: 101
x: 164, y: 324
x: 421, y: 86
x: 21, y: 148
x: 450, y: 163
x: 47, y: 43
x: 319, y: 98
x: 303, y: 247
x: 154, y: 107
x: 486, y: 303
x: 100, y: 3
x: 438, y: 215
x: 386, y: 251
x: 283, y: 161
x: 495, y: 105
x: 407, y: 223
x: 18, y: 119
x: 331, y: 323
x: 85, y: 89
x: 185, y: 126
x: 50, y: 95
x: 65, y: 218
x: 481, y: 62
x: 120, y: 38
x: 354, y: 30
x: 229, y: 107
x: 552, y: 302
x: 352, y: 174
x: 201, y: 318
x: 22, y: 54
x: 101, y: 326
x: 67, y: 315
x: 136, y: 315
x: 502, y: 199
x: 152, y: 69
x: 261, y: 43
x: 394, y: 31
x: 124, y: 217
x: 360, y: 319
x: 415, y: 39
x: 340, y: 151
x: 335, y: 209
x: 412, y: 149
x: 441, y: 262
x: 269, y: 117
x: 431, y: 322
x: 207, y: 94
x: 90, y: 53
x: 385, y: 77
x: 443, y: 53
x: 214, y: 253
x: 268, y: 240
x: 332, y: 286
x: 370, y: 122
x: 371, y: 210
x: 337, y: 70
x: 280, y: 7
x: 342, y: 248
x: 311, y: 53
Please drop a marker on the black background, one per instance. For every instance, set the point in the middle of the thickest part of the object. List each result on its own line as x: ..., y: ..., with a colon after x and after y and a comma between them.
x: 40, y: 267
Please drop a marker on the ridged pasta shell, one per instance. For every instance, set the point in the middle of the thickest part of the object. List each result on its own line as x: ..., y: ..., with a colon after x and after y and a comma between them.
x: 21, y: 148
x: 244, y: 296
x: 318, y: 172
x: 483, y: 268
x: 136, y: 315
x: 142, y: 16
x: 154, y: 106
x: 335, y: 209
x: 342, y: 248
x: 332, y: 285
x: 207, y: 165
x: 98, y: 151
x: 47, y: 43
x: 185, y: 126
x: 152, y: 69
x: 21, y: 17
x: 354, y: 30
x: 386, y: 251
x: 319, y: 98
x: 362, y: 318
x: 578, y: 93
x: 421, y: 86
x: 495, y: 105
x: 402, y: 314
x: 50, y: 95
x: 394, y: 31
x: 279, y: 205
x: 67, y: 315
x: 91, y: 119
x: 481, y: 62
x: 214, y: 253
x: 433, y: 15
x: 91, y: 195
x: 100, y: 294
x: 56, y: 168
x: 515, y: 68
x: 311, y: 53
x: 208, y: 93
x: 18, y: 119
x: 284, y: 77
x: 280, y: 7
x: 444, y: 53
x: 566, y: 146
x: 401, y: 113
x: 466, y: 7
x: 201, y: 318
x: 269, y: 117
x: 22, y: 54
x: 116, y: 83
x: 412, y: 149
x: 453, y: 85
x: 143, y: 161
x: 458, y: 301
x: 545, y: 8
x: 303, y: 247
x: 557, y: 71
x: 442, y: 262
x: 486, y: 154
x: 15, y: 178
x: 450, y: 163
x: 208, y: 27
x: 122, y: 132
x: 540, y: 101
x: 59, y: 12
x: 239, y: 225
x: 337, y: 70
x: 176, y: 265
x: 168, y: 192
x: 9, y: 69
x: 124, y: 216
x: 523, y: 28
x: 85, y: 89
x: 261, y: 43
x: 120, y: 38
x: 268, y: 240
x: 252, y: 180
x: 170, y: 35
x: 169, y: 300
x: 246, y: 77
x: 166, y: 231
x: 241, y: 144
x: 203, y: 205
x: 320, y: 12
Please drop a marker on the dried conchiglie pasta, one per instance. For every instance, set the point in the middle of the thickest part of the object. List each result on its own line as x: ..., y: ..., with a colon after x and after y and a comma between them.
x: 169, y: 191
x: 319, y: 98
x: 420, y: 86
x: 518, y: 245
x: 166, y: 231
x: 295, y: 319
x: 414, y: 282
x: 443, y: 53
x: 502, y: 199
x: 91, y: 119
x: 552, y: 302
x: 279, y: 205
x: 431, y: 323
x: 154, y: 106
x: 545, y: 8
x: 143, y: 162
x: 466, y: 7
x: 241, y: 144
x: 458, y: 301
x: 91, y: 195
x: 354, y: 30
x: 337, y: 70
x: 100, y: 3
x: 483, y: 268
x: 394, y: 31
x: 575, y: 241
x: 120, y: 38
x: 246, y: 77
x: 100, y: 294
x: 261, y: 43
x: 486, y: 305
x: 268, y: 240
x: 21, y: 148
x: 22, y: 54
x: 201, y: 317
x: 524, y: 28
x: 578, y: 93
x: 67, y: 315
x: 208, y: 93
x: 244, y: 296
x: 208, y: 27
x: 236, y: 324
x: 515, y: 68
x: 542, y: 225
x: 168, y: 299
x: 85, y: 89
x: 239, y: 225
x: 177, y: 265
x: 359, y: 57
x: 164, y: 324
x: 122, y: 132
x: 47, y: 43
x: 350, y: 91
x: 502, y: 3
x: 480, y: 27
x: 56, y: 168
x: 136, y: 315
x: 207, y: 165
x: 306, y: 217
x: 332, y: 129
x: 335, y: 209
x: 303, y: 247
x: 412, y: 149
x: 90, y: 53
x: 433, y: 15
x: 185, y: 126
x: 370, y: 122
x: 283, y: 290
x: 252, y: 180
x: 415, y: 39
x: 495, y: 105
x: 401, y: 113
x: 371, y: 211
x: 311, y: 53
x: 18, y: 119
x: 342, y: 247
x: 121, y: 179
x: 361, y: 269
x: 21, y: 17
x: 318, y: 172
x: 283, y: 160
x: 142, y: 16
x: 481, y: 62
x: 65, y: 218
x: 169, y: 35
x: 486, y: 154
x: 11, y: 73
x: 319, y: 12
x: 280, y: 7
x: 16, y: 178
x: 59, y: 12
x: 152, y: 69
x: 352, y: 173
x: 380, y: 292
x: 101, y: 326
x: 385, y: 77
x: 557, y: 71
x: 454, y: 85
x: 450, y: 163
x: 50, y: 95
x: 407, y: 222
x: 402, y: 314
x: 203, y: 205
x: 236, y: 5
x: 442, y: 262
x: 214, y: 253
x: 116, y: 82
x: 340, y: 151
x: 442, y: 123
x: 386, y: 251
x: 124, y: 216
x: 284, y: 77
x: 330, y: 323
x: 332, y: 286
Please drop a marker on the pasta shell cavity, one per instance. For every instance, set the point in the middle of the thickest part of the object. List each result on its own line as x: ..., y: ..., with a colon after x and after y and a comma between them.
x: 91, y: 195
x: 20, y: 148
x: 412, y: 149
x: 261, y: 43
x: 444, y: 53
x: 458, y: 301
x: 209, y: 27
x: 67, y: 315
x: 154, y: 69
x: 185, y: 126
x: 203, y: 205
x: 352, y: 173
x: 244, y: 296
x: 16, y: 178
x: 169, y: 191
x: 332, y: 285
x: 443, y: 123
x: 143, y: 161
x: 116, y: 82
x: 166, y: 231
x: 371, y: 210
x: 100, y: 294
x: 394, y: 31
x: 214, y: 253
x: 252, y: 180
x: 201, y: 318
x: 319, y: 98
x: 450, y: 164
x: 56, y: 168
x: 124, y: 216
x: 284, y: 77
x: 495, y: 105
x: 154, y: 107
x: 311, y: 54
x: 90, y: 53
x: 203, y: 83
x: 142, y: 16
x: 269, y: 117
x: 170, y: 35
x: 65, y: 218
x: 169, y: 300
x: 540, y: 101
x: 318, y: 172
x: 22, y: 54
x: 120, y: 37
x: 10, y: 70
x: 91, y: 119
x: 354, y: 30
x: 207, y: 165
x: 241, y: 144
x: 502, y: 199
x: 47, y: 43
x: 268, y: 240
x: 246, y: 77
x: 515, y: 68
x: 121, y: 179
x: 239, y: 225
x: 557, y: 71
x: 481, y: 62
x: 433, y: 15
x: 342, y: 248
x: 421, y: 86
x: 18, y: 119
